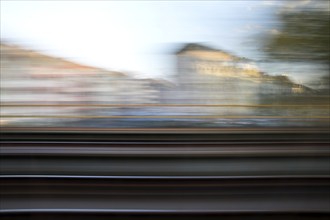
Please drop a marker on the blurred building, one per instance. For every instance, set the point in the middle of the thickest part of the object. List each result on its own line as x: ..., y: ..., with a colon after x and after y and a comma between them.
x: 210, y: 76
x: 32, y: 78
x: 205, y: 76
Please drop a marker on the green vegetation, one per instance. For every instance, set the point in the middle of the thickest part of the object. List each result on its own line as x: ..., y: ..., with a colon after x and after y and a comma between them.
x: 303, y: 35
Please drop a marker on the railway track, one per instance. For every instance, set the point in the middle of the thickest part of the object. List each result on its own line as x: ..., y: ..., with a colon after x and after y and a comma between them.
x: 178, y: 176
x: 164, y: 197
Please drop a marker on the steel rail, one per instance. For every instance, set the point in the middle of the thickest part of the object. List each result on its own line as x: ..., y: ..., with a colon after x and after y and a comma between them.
x: 169, y: 116
x: 170, y: 131
x: 158, y: 105
x: 165, y: 149
x: 141, y: 177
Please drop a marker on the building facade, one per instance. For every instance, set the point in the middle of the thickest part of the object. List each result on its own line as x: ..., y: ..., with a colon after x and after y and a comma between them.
x: 208, y: 76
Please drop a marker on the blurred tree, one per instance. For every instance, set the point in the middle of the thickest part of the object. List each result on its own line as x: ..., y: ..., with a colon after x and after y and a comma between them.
x: 303, y: 34
x: 322, y: 84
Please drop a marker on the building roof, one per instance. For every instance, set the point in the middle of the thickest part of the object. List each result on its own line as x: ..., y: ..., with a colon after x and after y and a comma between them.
x: 194, y: 47
x: 42, y: 59
x: 201, y: 47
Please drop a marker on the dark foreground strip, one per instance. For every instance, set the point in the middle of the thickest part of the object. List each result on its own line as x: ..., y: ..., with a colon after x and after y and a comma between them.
x: 266, y: 182
x: 107, y: 214
x: 159, y: 196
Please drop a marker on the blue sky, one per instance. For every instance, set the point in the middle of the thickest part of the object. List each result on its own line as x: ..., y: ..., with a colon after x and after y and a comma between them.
x: 134, y: 36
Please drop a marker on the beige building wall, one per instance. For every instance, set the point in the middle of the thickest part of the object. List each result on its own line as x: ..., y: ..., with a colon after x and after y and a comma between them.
x: 215, y: 78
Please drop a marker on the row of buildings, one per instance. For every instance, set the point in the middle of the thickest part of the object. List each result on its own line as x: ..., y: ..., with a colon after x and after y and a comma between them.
x: 32, y: 78
x: 205, y: 76
x: 208, y: 76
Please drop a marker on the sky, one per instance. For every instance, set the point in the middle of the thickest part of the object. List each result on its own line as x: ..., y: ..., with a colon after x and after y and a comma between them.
x: 138, y: 37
